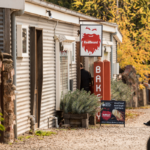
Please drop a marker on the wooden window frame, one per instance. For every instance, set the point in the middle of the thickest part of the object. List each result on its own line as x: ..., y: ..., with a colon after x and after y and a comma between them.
x: 20, y: 28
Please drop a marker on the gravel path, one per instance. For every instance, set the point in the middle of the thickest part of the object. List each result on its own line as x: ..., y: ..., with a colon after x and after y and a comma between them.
x: 107, y: 137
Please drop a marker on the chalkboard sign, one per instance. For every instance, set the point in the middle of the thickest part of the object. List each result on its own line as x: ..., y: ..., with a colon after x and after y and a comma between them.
x: 112, y: 112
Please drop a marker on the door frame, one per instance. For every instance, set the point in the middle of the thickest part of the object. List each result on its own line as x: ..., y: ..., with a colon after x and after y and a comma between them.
x: 79, y: 60
x: 33, y: 38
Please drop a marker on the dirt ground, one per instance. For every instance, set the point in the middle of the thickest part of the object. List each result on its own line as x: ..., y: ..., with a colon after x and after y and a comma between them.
x: 107, y: 137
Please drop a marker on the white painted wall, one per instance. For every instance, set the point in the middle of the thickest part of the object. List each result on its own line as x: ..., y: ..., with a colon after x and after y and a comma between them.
x: 38, y: 10
x: 48, y: 104
x: 13, y: 4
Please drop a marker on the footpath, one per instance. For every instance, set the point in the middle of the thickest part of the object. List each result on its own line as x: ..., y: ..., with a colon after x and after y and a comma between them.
x: 133, y: 136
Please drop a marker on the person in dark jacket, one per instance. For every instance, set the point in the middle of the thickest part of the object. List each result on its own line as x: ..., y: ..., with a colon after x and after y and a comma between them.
x: 148, y: 144
x: 85, y: 79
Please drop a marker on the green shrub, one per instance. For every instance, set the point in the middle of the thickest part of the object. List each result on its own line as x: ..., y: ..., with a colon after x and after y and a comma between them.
x: 44, y: 133
x: 120, y: 91
x: 2, y: 128
x: 79, y: 102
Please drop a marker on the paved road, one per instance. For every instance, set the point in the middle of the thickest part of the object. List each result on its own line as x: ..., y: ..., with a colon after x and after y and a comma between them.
x: 133, y: 137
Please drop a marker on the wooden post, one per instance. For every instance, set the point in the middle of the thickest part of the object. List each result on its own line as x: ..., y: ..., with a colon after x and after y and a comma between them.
x: 79, y: 60
x: 85, y: 123
x: 8, y: 99
x: 78, y: 65
x: 1, y: 101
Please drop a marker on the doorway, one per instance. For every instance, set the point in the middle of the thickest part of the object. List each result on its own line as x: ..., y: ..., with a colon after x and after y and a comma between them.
x: 79, y: 60
x: 36, y: 72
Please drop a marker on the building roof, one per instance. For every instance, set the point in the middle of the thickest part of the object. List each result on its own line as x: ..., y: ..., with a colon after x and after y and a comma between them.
x: 67, y: 11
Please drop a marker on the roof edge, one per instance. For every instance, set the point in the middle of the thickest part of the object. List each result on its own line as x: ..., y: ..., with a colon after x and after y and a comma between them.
x: 68, y: 11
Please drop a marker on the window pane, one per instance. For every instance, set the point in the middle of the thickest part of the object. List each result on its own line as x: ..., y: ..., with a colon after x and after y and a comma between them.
x: 63, y: 72
x: 24, y: 40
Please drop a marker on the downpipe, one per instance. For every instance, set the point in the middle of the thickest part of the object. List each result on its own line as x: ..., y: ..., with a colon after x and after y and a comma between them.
x: 13, y: 41
x: 56, y: 121
x: 112, y: 54
x: 55, y: 30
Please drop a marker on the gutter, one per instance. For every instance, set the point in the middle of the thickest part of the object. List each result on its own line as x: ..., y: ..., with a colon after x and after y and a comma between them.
x: 112, y: 68
x: 13, y: 41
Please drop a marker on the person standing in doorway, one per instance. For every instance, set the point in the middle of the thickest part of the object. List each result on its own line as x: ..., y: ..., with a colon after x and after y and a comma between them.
x: 85, y: 79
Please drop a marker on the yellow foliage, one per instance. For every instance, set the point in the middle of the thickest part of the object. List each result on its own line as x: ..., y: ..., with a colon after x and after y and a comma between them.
x: 141, y: 86
x: 140, y: 79
x: 134, y: 49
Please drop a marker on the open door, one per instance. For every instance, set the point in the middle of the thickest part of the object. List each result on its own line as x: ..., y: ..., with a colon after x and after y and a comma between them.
x: 36, y: 72
x: 79, y: 60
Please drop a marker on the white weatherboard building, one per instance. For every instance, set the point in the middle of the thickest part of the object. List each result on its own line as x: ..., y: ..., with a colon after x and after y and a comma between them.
x: 44, y: 68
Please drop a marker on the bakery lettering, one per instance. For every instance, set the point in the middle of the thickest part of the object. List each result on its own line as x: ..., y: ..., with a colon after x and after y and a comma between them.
x: 98, y: 80
x: 90, y: 42
x: 98, y: 85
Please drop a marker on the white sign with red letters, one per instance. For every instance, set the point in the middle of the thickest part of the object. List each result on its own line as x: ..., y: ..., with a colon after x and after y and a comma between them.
x: 91, y: 40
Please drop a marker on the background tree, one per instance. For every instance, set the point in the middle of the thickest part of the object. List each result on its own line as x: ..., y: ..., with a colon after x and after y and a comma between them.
x: 133, y: 19
x: 120, y: 91
x: 64, y: 3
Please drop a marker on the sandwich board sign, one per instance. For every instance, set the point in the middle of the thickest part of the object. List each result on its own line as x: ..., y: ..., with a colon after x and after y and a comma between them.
x: 112, y: 112
x: 91, y: 40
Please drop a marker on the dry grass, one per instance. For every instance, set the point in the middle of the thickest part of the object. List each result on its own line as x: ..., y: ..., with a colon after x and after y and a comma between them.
x: 131, y: 114
x: 142, y: 107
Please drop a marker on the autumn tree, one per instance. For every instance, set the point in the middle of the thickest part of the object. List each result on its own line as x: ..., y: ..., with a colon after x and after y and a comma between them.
x: 133, y: 19
x: 64, y: 3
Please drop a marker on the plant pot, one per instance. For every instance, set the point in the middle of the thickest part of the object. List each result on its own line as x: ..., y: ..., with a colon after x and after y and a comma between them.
x: 81, y: 120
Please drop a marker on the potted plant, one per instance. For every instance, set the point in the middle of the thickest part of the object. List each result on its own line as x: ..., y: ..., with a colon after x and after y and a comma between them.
x: 77, y: 106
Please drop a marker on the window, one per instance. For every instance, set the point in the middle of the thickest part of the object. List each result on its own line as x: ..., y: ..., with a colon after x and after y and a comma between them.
x: 22, y: 40
x: 63, y: 72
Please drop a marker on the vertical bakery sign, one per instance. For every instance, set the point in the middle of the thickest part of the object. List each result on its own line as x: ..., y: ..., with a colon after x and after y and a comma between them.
x: 91, y: 40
